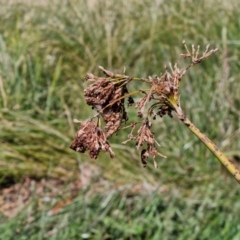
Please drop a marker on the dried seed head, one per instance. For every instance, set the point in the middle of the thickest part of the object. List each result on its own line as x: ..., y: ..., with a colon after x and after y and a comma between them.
x: 114, y: 113
x: 90, y: 137
x: 194, y: 54
x: 142, y: 103
x: 168, y: 84
x: 144, y: 134
x: 98, y: 93
x: 152, y: 150
x: 112, y: 118
x: 165, y: 90
x: 106, y: 95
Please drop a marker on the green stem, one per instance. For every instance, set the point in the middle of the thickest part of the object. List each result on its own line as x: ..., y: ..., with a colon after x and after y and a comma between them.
x: 213, y: 148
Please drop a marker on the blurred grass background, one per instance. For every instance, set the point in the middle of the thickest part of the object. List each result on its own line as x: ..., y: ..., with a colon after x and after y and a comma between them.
x: 45, y: 51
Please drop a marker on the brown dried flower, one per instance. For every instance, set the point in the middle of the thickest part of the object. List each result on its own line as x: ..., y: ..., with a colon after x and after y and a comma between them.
x: 98, y: 92
x: 106, y: 95
x: 144, y: 134
x: 194, y: 54
x: 145, y: 137
x: 142, y: 103
x: 114, y: 113
x: 90, y: 137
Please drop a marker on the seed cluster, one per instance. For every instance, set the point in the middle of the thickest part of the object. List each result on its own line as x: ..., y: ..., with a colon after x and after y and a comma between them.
x: 90, y: 137
x: 107, y: 94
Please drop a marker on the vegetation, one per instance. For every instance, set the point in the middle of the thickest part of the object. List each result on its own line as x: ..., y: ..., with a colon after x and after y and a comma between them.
x: 45, y: 53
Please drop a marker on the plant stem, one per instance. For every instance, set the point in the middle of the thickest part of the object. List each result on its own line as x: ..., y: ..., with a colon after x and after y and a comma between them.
x: 213, y: 148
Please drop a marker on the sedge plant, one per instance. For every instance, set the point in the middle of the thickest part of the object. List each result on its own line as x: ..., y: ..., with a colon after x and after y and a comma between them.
x: 107, y: 95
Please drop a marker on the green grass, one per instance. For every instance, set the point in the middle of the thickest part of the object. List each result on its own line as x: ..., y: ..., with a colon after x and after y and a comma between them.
x: 165, y: 213
x: 45, y: 53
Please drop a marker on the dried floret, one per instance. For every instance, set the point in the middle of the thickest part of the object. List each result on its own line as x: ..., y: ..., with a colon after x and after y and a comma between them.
x: 144, y: 134
x: 114, y: 113
x: 99, y: 92
x: 90, y: 77
x: 144, y: 139
x: 142, y: 102
x: 165, y: 110
x: 194, y: 54
x: 90, y: 137
x: 106, y: 72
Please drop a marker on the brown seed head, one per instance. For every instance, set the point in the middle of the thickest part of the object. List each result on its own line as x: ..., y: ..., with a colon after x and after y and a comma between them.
x: 106, y: 95
x: 98, y: 93
x: 114, y: 113
x: 90, y: 137
x: 144, y: 134
x: 194, y: 54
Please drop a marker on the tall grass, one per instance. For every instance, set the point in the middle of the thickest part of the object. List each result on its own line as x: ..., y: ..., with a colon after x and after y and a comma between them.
x: 45, y: 51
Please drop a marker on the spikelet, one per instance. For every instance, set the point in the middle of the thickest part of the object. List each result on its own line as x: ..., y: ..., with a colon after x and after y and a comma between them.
x: 90, y: 137
x: 99, y: 92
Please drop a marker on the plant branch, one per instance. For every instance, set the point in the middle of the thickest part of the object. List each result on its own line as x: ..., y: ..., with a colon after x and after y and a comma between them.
x: 213, y: 148
x: 105, y: 95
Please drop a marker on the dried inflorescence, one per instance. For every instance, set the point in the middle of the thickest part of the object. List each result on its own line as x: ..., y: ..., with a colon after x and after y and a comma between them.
x: 106, y: 95
x: 114, y: 114
x: 90, y: 137
x: 97, y: 94
x: 194, y: 54
x: 145, y: 136
x: 145, y: 140
x: 164, y: 93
